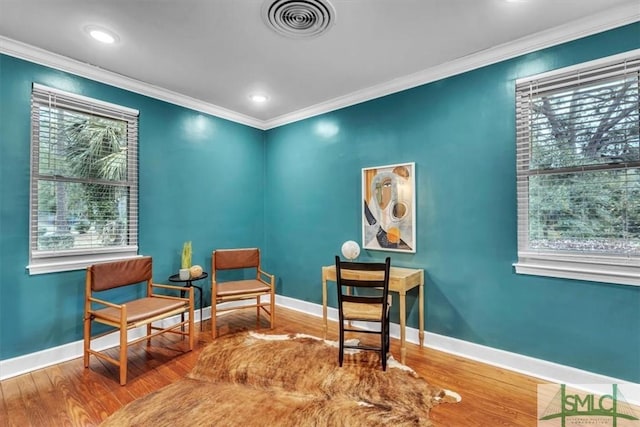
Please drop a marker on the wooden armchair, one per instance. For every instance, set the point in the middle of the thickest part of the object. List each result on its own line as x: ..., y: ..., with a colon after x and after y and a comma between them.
x: 247, y: 292
x: 132, y: 314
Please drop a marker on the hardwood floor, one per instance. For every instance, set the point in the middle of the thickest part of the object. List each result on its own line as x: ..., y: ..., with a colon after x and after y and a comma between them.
x: 69, y: 395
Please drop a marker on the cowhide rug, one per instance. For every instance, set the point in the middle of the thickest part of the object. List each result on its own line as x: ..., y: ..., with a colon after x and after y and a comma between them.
x: 251, y: 379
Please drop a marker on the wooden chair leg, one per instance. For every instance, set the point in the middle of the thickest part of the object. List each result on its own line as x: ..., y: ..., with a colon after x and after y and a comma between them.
x: 123, y: 356
x: 387, y: 336
x: 214, y: 318
x: 384, y: 344
x: 148, y: 334
x: 272, y: 310
x: 258, y: 312
x: 87, y: 339
x: 341, y: 344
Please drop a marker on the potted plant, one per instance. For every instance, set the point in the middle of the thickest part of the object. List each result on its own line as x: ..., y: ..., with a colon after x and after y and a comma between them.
x: 186, y: 261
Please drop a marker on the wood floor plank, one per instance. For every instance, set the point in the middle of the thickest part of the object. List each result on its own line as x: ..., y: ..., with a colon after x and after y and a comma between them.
x: 70, y: 395
x: 78, y: 407
x: 36, y: 411
x: 4, y: 412
x: 16, y: 411
x: 50, y: 398
x: 110, y: 373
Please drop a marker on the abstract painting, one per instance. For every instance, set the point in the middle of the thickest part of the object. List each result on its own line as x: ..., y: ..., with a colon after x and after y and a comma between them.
x: 389, y: 216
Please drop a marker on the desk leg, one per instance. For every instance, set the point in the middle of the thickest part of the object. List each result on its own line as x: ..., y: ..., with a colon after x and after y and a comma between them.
x: 403, y: 326
x: 324, y: 306
x: 421, y: 301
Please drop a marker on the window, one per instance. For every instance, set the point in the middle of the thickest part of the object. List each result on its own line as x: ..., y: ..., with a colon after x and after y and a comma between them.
x: 84, y: 181
x: 578, y: 172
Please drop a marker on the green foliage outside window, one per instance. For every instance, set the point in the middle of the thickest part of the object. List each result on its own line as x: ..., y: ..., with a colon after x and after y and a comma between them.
x: 584, y: 179
x: 82, y: 202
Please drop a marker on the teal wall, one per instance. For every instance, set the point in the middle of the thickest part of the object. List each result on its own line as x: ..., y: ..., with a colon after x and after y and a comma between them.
x: 201, y: 179
x: 460, y: 131
x: 295, y: 191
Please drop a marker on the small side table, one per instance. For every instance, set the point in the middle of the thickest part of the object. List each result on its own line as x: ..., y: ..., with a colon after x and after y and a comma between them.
x: 189, y: 284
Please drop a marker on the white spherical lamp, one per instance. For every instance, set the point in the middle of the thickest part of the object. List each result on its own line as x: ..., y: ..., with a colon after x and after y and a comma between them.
x: 350, y: 250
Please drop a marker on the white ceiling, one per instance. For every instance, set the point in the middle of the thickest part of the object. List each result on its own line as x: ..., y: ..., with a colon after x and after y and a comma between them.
x: 211, y: 54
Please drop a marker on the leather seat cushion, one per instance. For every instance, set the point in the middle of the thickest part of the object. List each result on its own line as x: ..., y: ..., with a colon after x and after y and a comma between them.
x: 238, y: 287
x: 140, y: 309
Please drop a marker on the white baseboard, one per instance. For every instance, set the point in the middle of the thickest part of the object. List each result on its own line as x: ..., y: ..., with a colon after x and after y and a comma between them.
x: 545, y: 370
x: 531, y: 366
x: 41, y: 359
x: 51, y: 356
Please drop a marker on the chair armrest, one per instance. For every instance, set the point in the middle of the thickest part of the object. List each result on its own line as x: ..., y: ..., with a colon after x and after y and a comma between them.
x: 270, y: 276
x: 107, y: 303
x: 188, y: 290
x: 174, y: 287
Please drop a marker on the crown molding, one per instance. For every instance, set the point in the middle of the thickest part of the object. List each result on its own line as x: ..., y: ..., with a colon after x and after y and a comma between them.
x: 610, y: 19
x: 43, y: 57
x: 613, y: 18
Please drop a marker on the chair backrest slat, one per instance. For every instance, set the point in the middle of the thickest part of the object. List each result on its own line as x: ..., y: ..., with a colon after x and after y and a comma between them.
x: 362, y: 283
x: 109, y: 275
x: 230, y: 259
x: 373, y: 276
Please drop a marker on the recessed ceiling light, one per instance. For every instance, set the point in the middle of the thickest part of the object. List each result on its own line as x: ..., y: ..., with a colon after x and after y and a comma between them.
x: 258, y: 98
x: 102, y: 35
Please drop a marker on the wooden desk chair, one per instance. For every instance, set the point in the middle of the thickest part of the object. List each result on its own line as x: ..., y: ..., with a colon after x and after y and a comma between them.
x: 363, y: 295
x: 248, y: 292
x: 134, y: 313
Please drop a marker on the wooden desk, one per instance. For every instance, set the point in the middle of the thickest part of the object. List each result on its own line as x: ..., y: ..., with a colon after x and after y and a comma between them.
x: 400, y: 280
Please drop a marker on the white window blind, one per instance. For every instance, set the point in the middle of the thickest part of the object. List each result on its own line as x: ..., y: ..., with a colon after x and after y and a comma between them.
x: 578, y: 171
x: 84, y: 181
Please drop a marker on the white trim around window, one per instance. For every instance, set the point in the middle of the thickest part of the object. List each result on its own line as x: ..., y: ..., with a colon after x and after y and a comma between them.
x: 84, y: 181
x: 622, y: 271
x: 77, y: 262
x: 560, y: 195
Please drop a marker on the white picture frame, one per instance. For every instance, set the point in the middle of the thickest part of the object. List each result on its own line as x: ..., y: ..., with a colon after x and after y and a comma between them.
x: 389, y: 208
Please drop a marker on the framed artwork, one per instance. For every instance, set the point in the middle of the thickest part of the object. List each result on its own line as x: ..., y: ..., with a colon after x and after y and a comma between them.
x: 389, y: 208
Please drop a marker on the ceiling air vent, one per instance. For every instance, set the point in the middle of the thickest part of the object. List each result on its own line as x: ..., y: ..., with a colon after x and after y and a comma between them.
x: 299, y: 18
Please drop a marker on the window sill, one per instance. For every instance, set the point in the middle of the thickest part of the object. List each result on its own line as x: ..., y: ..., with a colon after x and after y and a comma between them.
x: 75, y: 262
x: 618, y: 270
